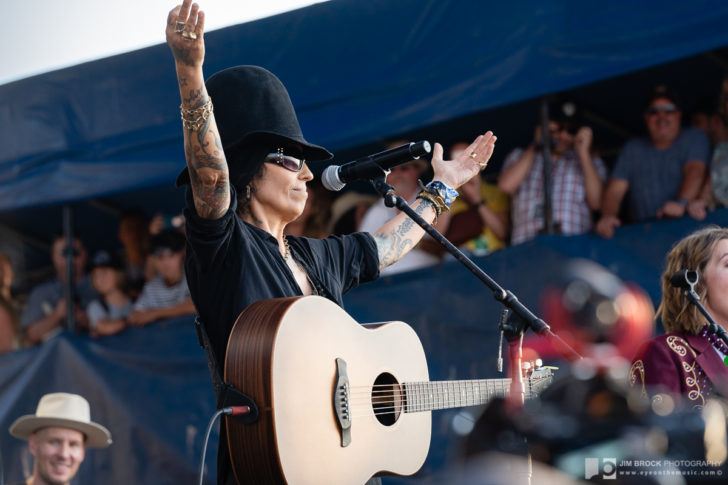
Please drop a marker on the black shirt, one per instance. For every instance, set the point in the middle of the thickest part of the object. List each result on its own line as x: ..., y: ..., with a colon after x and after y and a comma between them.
x: 230, y: 264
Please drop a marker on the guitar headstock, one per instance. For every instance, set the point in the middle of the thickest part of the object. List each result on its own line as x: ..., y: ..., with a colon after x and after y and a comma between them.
x: 537, y: 377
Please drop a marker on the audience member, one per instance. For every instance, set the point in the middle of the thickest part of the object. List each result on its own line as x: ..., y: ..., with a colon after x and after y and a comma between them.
x: 479, y: 217
x: 107, y: 315
x: 58, y: 434
x: 45, y: 311
x: 316, y: 214
x: 714, y: 193
x: 660, y: 174
x: 577, y: 180
x: 348, y: 210
x: 160, y: 222
x: 688, y: 359
x: 404, y: 180
x: 8, y: 310
x: 6, y: 276
x: 166, y: 295
x: 706, y: 117
x: 134, y: 237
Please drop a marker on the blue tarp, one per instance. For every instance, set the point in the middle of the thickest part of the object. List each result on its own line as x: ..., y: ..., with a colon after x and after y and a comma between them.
x: 151, y: 386
x: 356, y: 71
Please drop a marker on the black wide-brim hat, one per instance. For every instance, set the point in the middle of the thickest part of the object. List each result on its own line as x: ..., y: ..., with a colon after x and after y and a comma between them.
x: 253, y: 110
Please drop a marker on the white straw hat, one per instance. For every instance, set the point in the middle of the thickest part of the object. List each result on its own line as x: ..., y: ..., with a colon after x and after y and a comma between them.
x: 62, y: 410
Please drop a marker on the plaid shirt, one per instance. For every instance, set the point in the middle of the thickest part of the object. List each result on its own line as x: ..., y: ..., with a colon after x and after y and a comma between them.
x: 570, y: 210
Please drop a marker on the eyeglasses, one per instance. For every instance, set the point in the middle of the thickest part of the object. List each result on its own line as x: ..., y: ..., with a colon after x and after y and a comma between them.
x: 286, y: 161
x: 664, y: 108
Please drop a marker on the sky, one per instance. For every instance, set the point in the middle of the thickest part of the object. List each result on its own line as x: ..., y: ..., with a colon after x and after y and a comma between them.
x: 44, y: 35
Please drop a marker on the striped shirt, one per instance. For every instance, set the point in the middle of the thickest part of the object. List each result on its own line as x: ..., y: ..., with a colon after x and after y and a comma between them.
x: 156, y: 294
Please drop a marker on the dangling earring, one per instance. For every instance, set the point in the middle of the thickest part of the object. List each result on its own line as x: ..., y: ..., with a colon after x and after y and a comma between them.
x: 247, y: 192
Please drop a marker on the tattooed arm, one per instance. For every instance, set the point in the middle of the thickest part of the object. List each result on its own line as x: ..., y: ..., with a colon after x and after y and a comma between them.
x: 400, y: 234
x: 203, y: 149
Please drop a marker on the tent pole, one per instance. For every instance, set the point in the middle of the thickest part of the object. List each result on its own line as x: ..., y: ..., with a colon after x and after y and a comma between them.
x: 70, y: 253
x: 548, y: 223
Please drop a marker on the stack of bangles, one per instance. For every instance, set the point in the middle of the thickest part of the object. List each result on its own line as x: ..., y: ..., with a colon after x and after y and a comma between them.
x: 193, y: 119
x: 439, y: 195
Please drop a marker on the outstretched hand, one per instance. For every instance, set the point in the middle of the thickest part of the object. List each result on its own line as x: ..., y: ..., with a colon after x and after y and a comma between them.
x: 465, y: 166
x: 185, y: 29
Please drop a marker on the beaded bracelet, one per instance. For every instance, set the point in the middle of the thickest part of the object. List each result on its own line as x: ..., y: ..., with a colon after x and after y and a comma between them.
x: 437, y: 205
x: 193, y: 119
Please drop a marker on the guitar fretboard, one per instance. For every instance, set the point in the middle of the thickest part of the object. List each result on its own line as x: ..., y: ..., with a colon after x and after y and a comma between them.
x: 430, y: 396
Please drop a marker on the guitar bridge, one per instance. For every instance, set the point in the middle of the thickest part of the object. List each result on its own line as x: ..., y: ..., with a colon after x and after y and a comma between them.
x: 341, y: 402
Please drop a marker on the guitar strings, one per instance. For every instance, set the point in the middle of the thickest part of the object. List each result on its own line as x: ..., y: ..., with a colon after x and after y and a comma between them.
x: 431, y: 401
x: 421, y: 385
x: 439, y: 384
x: 415, y: 406
x: 419, y: 401
x: 417, y: 388
x: 429, y: 394
x: 371, y: 390
x: 423, y: 397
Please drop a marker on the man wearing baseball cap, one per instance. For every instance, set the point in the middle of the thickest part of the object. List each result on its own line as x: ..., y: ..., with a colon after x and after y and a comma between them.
x: 58, y: 434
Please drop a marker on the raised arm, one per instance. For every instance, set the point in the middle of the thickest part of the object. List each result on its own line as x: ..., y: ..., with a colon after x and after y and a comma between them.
x: 512, y: 176
x: 203, y: 149
x: 593, y: 184
x: 400, y: 234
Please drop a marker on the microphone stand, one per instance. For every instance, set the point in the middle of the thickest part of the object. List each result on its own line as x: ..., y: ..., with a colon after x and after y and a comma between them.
x: 505, y: 297
x: 713, y: 327
x: 513, y: 327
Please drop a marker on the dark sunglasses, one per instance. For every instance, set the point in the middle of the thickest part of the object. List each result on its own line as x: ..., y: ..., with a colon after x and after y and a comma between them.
x: 286, y: 161
x: 666, y: 108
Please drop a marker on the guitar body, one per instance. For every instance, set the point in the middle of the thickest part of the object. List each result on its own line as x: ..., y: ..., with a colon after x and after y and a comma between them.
x: 283, y: 353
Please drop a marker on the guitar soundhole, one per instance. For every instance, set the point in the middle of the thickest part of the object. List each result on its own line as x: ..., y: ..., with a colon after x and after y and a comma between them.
x: 387, y: 399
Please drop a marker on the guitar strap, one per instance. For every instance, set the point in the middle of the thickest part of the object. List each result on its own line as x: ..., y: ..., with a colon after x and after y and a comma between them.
x: 226, y: 394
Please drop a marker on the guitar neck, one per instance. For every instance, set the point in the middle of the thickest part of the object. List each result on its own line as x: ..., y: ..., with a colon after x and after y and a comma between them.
x: 430, y: 396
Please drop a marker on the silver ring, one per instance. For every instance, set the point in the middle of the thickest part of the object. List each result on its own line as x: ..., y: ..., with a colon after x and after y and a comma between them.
x: 473, y: 155
x: 179, y: 26
x: 189, y: 35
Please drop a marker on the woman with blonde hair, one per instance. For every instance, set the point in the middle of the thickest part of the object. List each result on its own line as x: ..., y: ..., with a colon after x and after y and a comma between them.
x: 688, y: 359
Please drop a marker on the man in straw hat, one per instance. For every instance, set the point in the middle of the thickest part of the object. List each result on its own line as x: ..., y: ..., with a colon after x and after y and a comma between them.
x: 247, y: 173
x: 58, y: 434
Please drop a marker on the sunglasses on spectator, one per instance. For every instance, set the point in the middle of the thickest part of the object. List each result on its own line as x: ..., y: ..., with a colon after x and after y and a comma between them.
x: 665, y: 108
x: 286, y: 161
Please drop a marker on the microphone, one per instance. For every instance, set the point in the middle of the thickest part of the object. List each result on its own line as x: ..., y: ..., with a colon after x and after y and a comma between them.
x: 685, y: 279
x: 336, y: 177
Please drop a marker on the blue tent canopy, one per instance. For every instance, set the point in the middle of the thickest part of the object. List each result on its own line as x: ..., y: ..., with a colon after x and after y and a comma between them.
x: 357, y: 72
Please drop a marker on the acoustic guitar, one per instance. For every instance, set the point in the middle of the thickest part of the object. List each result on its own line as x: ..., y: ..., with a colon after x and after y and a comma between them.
x: 338, y: 401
